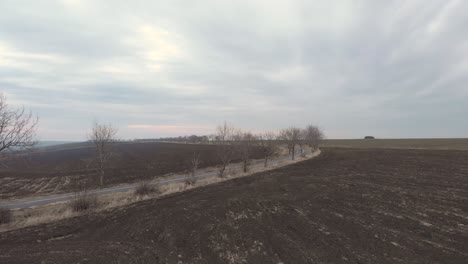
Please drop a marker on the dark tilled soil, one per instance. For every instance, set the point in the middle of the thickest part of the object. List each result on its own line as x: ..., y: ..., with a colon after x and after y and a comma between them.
x: 64, y: 170
x: 408, y: 143
x: 346, y: 206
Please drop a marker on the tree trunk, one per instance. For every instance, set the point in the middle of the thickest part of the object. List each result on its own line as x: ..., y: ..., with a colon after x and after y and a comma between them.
x: 101, y: 178
x: 192, y: 176
x: 221, y: 171
x: 245, y: 165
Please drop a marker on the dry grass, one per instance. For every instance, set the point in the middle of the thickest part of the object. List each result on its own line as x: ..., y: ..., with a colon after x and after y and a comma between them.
x: 54, y: 212
x: 175, y: 187
x: 232, y: 173
x: 83, y: 201
x: 191, y: 181
x: 34, y: 216
x: 146, y: 188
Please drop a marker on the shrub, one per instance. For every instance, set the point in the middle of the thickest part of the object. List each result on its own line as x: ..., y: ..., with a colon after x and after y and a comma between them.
x: 83, y: 201
x: 191, y: 180
x: 5, y: 215
x: 145, y: 188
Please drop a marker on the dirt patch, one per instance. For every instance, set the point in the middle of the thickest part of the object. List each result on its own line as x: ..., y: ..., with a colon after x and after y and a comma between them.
x: 345, y: 206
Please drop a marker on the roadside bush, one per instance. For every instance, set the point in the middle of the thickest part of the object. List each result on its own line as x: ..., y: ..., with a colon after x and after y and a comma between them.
x: 5, y: 216
x: 145, y: 188
x: 83, y: 201
x: 191, y: 181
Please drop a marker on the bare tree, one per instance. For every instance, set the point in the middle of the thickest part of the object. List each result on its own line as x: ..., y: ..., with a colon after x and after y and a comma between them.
x: 193, y: 139
x: 17, y: 127
x: 224, y: 138
x: 102, y: 136
x: 291, y: 136
x: 269, y: 143
x: 312, y: 136
x: 302, y: 142
x: 194, y: 162
x: 212, y: 139
x: 245, y: 143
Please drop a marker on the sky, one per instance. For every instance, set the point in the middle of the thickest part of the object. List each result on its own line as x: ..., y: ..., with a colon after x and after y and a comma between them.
x: 390, y: 69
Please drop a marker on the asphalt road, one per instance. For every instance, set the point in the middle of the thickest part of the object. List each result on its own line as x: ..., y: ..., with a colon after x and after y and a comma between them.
x: 116, y: 189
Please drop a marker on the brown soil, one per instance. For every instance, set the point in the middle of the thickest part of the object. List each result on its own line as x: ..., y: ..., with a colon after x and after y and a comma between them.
x: 63, y: 170
x: 346, y: 206
x: 408, y: 143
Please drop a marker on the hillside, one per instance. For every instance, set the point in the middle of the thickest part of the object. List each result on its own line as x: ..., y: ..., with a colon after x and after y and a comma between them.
x: 346, y: 206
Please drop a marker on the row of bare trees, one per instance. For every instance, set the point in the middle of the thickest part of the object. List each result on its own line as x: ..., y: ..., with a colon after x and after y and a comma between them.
x: 307, y: 137
x: 18, y: 131
x: 232, y: 141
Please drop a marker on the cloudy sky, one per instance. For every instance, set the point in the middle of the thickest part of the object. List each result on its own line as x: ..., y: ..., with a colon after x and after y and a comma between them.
x: 163, y: 68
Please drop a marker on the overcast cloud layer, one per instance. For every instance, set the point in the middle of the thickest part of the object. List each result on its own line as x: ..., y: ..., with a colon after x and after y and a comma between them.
x: 161, y: 68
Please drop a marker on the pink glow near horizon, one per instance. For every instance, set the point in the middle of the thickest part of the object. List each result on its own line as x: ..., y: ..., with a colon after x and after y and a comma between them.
x: 175, y: 129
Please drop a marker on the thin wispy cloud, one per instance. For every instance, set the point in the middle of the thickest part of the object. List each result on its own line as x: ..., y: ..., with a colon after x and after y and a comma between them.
x: 153, y: 68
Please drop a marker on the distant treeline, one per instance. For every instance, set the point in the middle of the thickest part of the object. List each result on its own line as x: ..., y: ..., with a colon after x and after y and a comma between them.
x: 181, y: 139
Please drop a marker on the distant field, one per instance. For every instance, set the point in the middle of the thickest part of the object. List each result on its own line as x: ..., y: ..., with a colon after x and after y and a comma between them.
x: 60, y: 168
x: 42, y: 144
x: 413, y: 143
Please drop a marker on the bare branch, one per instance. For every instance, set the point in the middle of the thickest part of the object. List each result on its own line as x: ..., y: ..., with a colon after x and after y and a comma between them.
x: 193, y: 164
x: 102, y: 136
x: 312, y: 136
x: 245, y: 143
x: 269, y: 143
x: 224, y: 138
x: 292, y: 137
x: 17, y: 127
